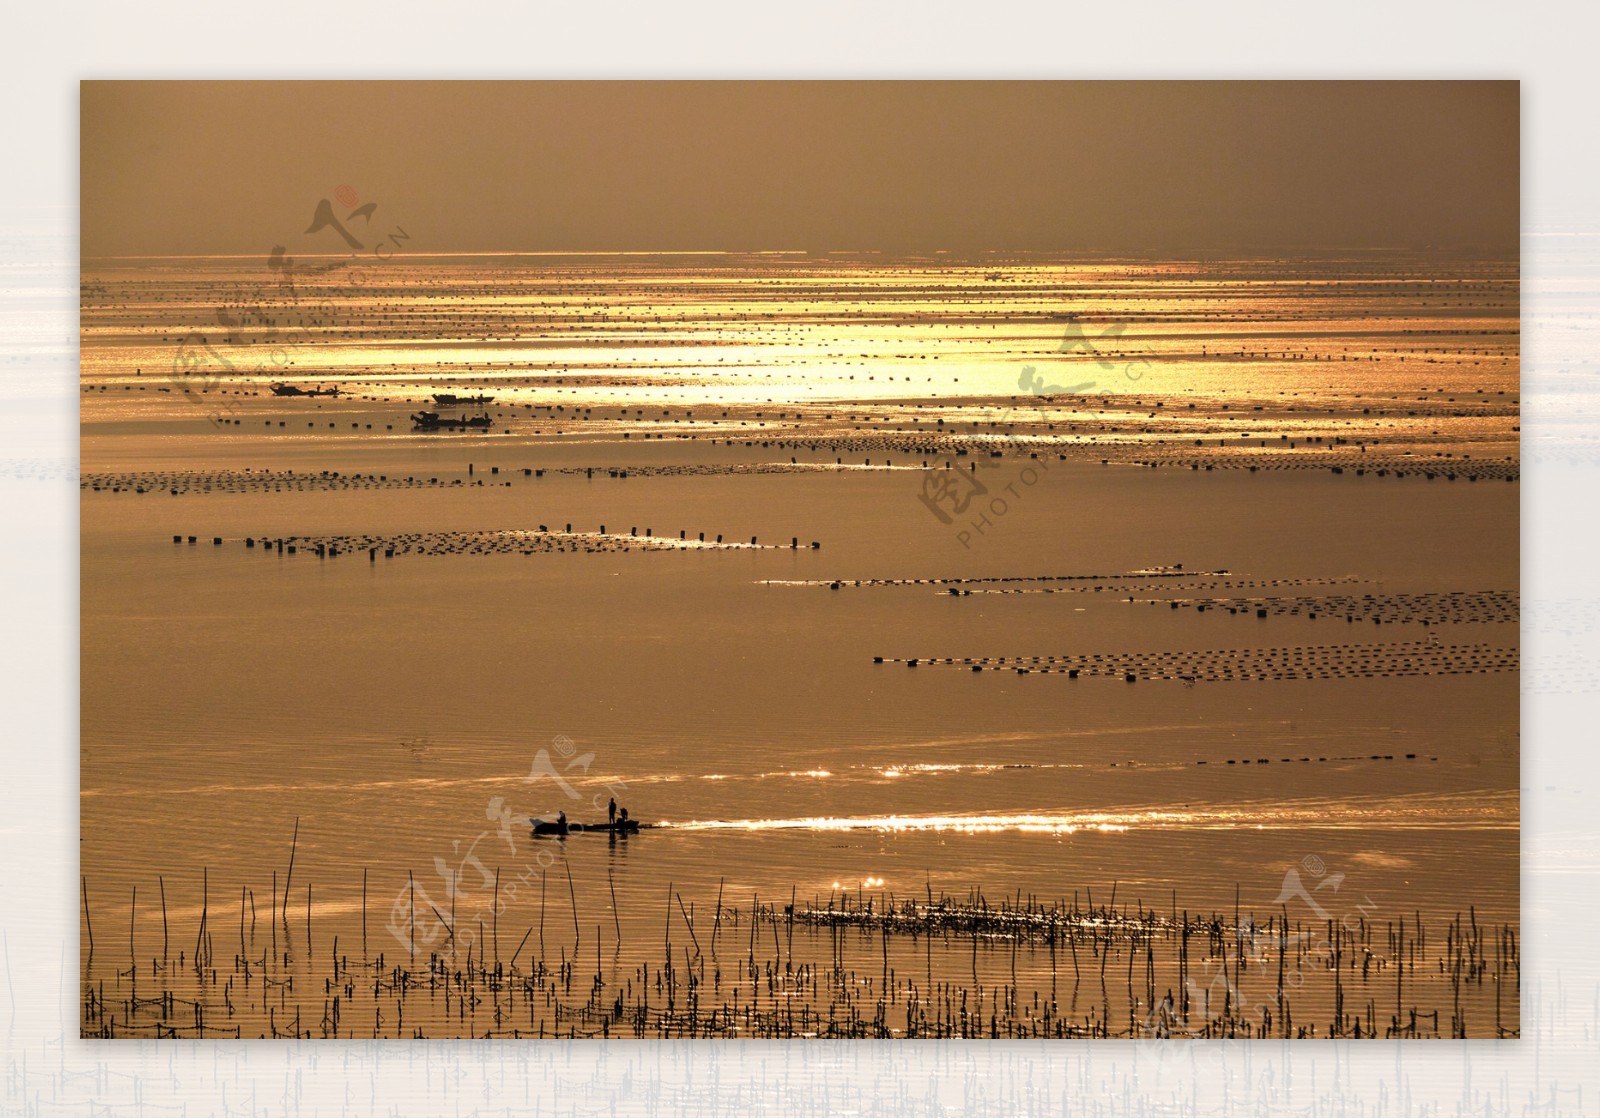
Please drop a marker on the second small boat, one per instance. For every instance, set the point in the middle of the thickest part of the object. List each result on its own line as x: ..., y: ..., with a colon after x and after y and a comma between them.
x: 553, y: 827
x: 432, y: 421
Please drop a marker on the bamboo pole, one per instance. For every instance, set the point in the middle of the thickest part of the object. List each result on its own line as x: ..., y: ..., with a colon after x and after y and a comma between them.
x: 687, y: 923
x: 577, y: 936
x: 86, y: 919
x: 293, y: 844
x: 716, y: 924
x: 205, y: 901
x: 615, y: 918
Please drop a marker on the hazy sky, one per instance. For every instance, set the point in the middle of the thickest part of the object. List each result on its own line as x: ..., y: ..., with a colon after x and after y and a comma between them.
x: 238, y: 167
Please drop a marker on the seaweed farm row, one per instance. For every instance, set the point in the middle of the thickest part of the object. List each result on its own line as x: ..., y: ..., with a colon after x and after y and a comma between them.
x: 1310, y: 662
x: 180, y: 482
x: 487, y: 542
x: 1426, y: 608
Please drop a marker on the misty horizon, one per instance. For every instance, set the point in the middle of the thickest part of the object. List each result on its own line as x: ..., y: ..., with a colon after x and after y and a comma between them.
x: 904, y: 168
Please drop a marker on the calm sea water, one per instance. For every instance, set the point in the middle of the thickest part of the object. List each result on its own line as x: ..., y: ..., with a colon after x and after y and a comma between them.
x: 411, y: 713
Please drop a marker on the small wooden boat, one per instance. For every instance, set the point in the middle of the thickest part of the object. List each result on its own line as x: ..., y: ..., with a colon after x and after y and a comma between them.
x: 553, y: 827
x: 432, y: 421
x: 448, y: 400
x: 295, y: 390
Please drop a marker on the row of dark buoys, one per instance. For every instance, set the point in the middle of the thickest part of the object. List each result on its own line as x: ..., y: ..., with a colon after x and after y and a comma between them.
x: 495, y: 542
x: 1425, y: 608
x: 261, y: 481
x: 1315, y: 455
x: 1306, y: 759
x: 953, y: 581
x: 1418, y: 658
x: 1122, y: 587
x: 1121, y: 584
x: 1379, y: 466
x: 1322, y: 758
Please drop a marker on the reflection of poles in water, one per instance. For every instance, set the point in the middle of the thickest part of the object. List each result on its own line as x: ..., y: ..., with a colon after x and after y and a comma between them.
x: 572, y: 894
x: 616, y: 919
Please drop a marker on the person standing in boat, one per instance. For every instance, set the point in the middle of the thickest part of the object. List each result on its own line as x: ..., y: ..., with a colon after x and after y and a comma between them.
x: 561, y: 824
x: 611, y: 814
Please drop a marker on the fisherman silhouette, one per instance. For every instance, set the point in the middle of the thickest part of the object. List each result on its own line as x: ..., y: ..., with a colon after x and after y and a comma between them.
x: 611, y: 811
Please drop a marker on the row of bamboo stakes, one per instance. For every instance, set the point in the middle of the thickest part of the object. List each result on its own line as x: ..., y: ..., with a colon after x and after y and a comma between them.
x: 867, y: 966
